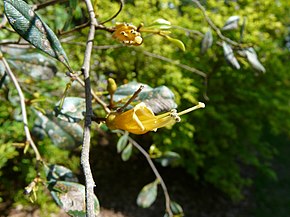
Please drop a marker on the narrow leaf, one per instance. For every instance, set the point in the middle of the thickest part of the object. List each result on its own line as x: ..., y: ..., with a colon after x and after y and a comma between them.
x: 29, y: 25
x: 127, y: 152
x: 254, y: 61
x: 229, y: 55
x: 231, y: 23
x: 147, y: 195
x: 122, y: 142
x: 206, y: 41
x: 176, y: 208
x: 176, y: 42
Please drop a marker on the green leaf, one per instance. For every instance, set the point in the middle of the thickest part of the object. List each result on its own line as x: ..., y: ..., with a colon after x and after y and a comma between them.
x: 29, y: 25
x: 63, y: 134
x: 56, y: 172
x: 254, y: 61
x: 127, y: 152
x: 229, y: 55
x: 168, y: 157
x: 147, y: 195
x: 176, y: 209
x: 176, y: 42
x: 159, y: 99
x: 122, y: 142
x: 35, y: 65
x: 161, y: 24
x: 231, y: 23
x: 73, y: 109
x: 70, y: 196
x: 206, y: 41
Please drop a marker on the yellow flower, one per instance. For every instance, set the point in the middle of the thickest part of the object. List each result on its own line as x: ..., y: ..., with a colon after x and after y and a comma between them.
x: 141, y: 119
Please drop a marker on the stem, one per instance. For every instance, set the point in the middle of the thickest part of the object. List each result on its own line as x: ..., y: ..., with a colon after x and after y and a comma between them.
x: 23, y: 109
x: 155, y: 171
x: 89, y: 181
x: 116, y: 14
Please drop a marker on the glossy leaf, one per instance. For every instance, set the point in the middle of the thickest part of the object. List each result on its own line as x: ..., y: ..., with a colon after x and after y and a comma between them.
x: 63, y: 134
x: 127, y: 152
x: 36, y: 65
x: 147, y: 195
x: 29, y: 25
x: 231, y: 23
x: 56, y: 172
x: 73, y: 109
x: 254, y: 61
x: 122, y: 142
x: 229, y: 55
x: 159, y: 99
x: 70, y: 196
x: 206, y: 41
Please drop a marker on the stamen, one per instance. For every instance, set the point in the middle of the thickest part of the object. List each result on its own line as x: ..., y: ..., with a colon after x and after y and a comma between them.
x: 198, y: 106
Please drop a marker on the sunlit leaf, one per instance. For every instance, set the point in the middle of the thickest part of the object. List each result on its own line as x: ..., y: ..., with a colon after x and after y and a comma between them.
x: 127, y: 152
x: 254, y: 61
x: 73, y: 109
x: 56, y: 172
x: 63, y: 134
x: 29, y: 25
x: 161, y: 24
x: 159, y: 99
x: 70, y: 196
x: 231, y: 23
x: 206, y: 41
x: 176, y: 42
x: 36, y: 65
x: 229, y: 55
x: 122, y: 142
x: 147, y: 195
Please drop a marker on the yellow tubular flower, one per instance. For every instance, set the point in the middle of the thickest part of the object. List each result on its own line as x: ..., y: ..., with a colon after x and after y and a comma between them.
x: 141, y: 119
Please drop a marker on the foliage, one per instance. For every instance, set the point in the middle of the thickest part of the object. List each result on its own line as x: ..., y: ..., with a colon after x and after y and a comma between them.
x: 244, y: 104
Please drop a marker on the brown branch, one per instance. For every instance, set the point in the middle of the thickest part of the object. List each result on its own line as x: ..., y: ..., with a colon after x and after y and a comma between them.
x: 23, y: 109
x: 155, y: 171
x: 89, y: 181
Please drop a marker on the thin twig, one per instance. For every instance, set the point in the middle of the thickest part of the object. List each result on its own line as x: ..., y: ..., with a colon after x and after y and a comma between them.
x: 214, y: 27
x: 23, y: 109
x: 89, y: 183
x: 116, y: 14
x: 155, y: 171
x: 189, y: 68
x: 121, y: 109
x: 98, y: 100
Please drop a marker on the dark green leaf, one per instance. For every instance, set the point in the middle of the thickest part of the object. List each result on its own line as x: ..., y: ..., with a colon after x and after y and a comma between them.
x: 70, y: 196
x: 206, y: 41
x: 127, y: 152
x: 63, y: 134
x: 229, y: 55
x: 147, y: 195
x: 122, y: 142
x: 29, y: 25
x: 73, y: 109
x: 159, y: 99
x: 231, y: 23
x: 56, y: 172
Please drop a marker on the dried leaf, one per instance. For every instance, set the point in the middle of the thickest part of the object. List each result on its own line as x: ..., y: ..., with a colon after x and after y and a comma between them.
x: 206, y: 41
x: 229, y: 55
x: 231, y: 23
x: 254, y: 61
